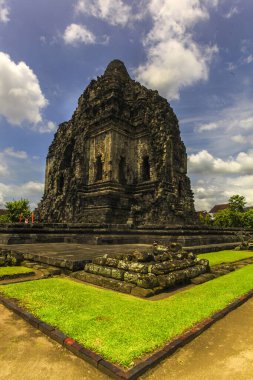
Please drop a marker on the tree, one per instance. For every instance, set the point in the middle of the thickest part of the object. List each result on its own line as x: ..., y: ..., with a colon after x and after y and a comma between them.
x: 4, y: 219
x: 247, y: 219
x: 205, y: 219
x: 234, y: 215
x: 237, y: 203
x: 15, y: 208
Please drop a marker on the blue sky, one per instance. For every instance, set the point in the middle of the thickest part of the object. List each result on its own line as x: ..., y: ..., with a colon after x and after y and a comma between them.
x: 196, y: 53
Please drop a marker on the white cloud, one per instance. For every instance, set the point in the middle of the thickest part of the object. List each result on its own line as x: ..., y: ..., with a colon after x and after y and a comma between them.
x: 20, y: 154
x: 77, y: 33
x: 16, y: 171
x: 48, y: 127
x: 29, y: 190
x: 174, y: 59
x: 203, y: 162
x: 21, y: 98
x: 206, y: 127
x: 248, y: 59
x: 231, y: 66
x: 239, y: 139
x: 3, y: 169
x: 4, y: 11
x: 232, y: 12
x: 218, y: 190
x: 115, y: 12
x: 246, y: 123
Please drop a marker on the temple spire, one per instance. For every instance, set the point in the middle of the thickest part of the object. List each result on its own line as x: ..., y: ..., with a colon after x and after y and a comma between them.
x: 117, y: 68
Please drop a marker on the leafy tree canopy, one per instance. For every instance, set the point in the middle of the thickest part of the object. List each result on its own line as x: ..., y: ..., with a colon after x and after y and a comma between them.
x: 235, y: 215
x: 237, y: 203
x: 16, y: 208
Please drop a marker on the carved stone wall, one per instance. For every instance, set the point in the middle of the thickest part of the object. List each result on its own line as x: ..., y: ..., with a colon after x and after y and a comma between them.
x: 120, y: 159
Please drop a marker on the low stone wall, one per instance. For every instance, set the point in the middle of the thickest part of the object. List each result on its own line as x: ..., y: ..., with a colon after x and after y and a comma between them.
x: 115, y: 234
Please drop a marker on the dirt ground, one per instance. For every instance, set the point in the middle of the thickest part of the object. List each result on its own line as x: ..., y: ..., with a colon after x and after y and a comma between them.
x: 224, y: 352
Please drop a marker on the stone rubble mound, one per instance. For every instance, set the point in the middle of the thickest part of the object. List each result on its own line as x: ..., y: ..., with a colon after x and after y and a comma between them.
x: 144, y: 273
x: 10, y: 258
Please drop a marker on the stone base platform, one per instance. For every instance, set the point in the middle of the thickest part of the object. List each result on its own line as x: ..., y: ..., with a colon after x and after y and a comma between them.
x: 187, y: 236
x: 68, y: 256
x: 73, y: 257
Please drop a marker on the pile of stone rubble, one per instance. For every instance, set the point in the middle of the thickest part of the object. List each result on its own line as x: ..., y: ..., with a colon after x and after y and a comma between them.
x: 144, y: 273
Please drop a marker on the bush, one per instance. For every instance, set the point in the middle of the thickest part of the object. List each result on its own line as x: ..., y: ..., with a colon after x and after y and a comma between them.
x: 15, y: 208
x: 227, y: 218
x: 247, y: 219
x: 4, y: 219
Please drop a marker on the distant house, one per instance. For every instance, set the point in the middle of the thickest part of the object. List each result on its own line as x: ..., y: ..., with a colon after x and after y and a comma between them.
x: 3, y: 211
x: 218, y: 208
x: 224, y: 206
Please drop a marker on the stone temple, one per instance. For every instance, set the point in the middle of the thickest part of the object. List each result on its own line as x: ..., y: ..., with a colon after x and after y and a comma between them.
x: 119, y: 160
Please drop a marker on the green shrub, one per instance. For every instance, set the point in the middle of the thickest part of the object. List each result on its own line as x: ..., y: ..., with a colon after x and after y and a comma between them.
x: 4, y: 219
x: 15, y: 208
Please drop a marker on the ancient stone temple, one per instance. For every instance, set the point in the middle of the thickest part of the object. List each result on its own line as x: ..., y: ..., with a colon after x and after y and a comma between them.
x: 120, y: 158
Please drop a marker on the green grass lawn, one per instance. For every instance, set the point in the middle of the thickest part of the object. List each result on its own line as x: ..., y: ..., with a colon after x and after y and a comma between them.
x: 121, y: 327
x: 228, y: 256
x: 10, y: 271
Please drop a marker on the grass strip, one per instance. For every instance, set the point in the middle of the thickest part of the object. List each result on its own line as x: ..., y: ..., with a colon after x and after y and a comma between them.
x: 121, y: 327
x: 228, y: 256
x: 10, y: 271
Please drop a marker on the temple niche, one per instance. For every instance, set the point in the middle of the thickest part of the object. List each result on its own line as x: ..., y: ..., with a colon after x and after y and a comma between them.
x: 120, y: 159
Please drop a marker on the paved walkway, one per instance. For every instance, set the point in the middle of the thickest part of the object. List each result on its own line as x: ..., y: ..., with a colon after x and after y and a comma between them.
x: 71, y: 251
x: 224, y: 352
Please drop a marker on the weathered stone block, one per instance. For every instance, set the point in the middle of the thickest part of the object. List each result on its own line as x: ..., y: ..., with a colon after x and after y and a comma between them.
x: 128, y: 257
x: 163, y: 257
x: 111, y: 262
x: 203, y: 262
x: 105, y: 271
x: 99, y: 260
x: 131, y: 277
x: 93, y: 268
x: 142, y: 292
x: 147, y: 281
x: 142, y: 256
x: 138, y: 267
x: 118, y: 274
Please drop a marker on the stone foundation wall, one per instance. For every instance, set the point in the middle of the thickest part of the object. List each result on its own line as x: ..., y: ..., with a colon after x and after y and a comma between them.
x: 114, y: 234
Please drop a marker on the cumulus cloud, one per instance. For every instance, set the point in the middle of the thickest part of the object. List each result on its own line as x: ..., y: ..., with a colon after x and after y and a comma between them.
x: 20, y: 154
x: 77, y: 33
x: 4, y: 11
x: 3, y: 169
x: 232, y: 12
x: 16, y: 171
x: 30, y: 190
x: 248, y: 59
x: 115, y: 12
x: 239, y: 139
x: 174, y: 59
x: 47, y: 127
x: 21, y: 98
x: 206, y: 127
x: 217, y: 190
x: 203, y: 162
